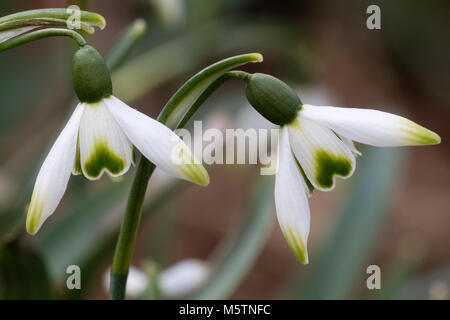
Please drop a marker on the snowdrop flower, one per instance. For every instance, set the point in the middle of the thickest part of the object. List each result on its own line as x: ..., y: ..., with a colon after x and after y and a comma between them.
x: 316, y: 145
x: 99, y: 137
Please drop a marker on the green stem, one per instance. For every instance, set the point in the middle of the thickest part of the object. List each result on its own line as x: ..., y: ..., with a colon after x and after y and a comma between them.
x: 53, y: 16
x: 128, y: 230
x: 239, y: 74
x: 44, y: 33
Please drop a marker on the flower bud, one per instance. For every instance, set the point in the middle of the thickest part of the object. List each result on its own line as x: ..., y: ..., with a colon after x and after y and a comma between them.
x: 272, y: 98
x: 91, y: 78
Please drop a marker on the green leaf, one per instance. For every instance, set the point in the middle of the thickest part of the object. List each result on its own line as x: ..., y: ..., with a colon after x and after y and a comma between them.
x: 22, y: 274
x: 51, y: 17
x: 239, y: 251
x: 126, y: 43
x: 343, y: 260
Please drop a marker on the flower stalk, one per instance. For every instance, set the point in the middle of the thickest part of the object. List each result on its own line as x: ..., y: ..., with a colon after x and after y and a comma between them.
x: 128, y: 230
x: 51, y: 17
x: 44, y: 33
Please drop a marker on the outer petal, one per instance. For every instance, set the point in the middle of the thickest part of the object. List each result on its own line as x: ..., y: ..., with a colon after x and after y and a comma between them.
x: 372, y: 127
x: 291, y: 200
x: 158, y: 143
x: 321, y: 154
x: 51, y: 182
x: 103, y: 144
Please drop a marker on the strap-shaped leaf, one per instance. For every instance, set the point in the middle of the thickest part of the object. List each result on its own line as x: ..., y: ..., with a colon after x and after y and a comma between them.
x: 50, y: 17
x: 185, y: 98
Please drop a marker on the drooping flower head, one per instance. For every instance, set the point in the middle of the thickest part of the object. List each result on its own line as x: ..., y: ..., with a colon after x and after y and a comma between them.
x: 99, y: 137
x: 316, y: 145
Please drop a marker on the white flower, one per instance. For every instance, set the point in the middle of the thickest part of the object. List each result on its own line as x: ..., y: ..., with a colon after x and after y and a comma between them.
x: 98, y: 138
x: 317, y: 146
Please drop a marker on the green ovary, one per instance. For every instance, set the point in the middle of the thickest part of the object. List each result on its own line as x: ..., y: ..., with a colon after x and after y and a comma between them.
x: 328, y: 165
x: 103, y: 158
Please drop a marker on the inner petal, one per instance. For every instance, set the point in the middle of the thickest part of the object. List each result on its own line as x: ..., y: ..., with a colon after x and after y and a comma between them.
x: 103, y: 145
x: 321, y: 154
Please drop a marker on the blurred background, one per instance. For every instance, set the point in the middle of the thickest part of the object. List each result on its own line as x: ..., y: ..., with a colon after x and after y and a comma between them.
x: 223, y: 241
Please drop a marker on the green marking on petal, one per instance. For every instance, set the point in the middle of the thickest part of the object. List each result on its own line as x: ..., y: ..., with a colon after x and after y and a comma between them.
x: 133, y: 155
x: 296, y: 243
x: 34, y: 213
x: 418, y: 135
x: 77, y: 165
x: 328, y: 165
x: 103, y: 158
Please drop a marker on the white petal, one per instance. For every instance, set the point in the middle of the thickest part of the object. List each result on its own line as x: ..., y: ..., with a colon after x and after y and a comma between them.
x: 158, y: 143
x: 350, y: 144
x: 51, y: 182
x: 6, y: 35
x: 183, y: 277
x: 321, y: 154
x: 103, y: 144
x: 291, y: 200
x: 372, y: 127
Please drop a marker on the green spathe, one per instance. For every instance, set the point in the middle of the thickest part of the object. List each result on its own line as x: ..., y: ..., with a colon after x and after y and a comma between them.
x: 272, y: 98
x: 91, y: 78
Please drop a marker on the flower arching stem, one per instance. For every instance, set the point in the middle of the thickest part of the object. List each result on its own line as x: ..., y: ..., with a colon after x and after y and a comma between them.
x: 130, y: 224
x: 128, y: 230
x: 39, y: 34
x: 239, y: 74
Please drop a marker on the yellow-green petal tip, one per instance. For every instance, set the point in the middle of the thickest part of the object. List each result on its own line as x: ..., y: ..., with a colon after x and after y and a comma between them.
x: 195, y: 173
x: 34, y: 216
x: 296, y: 244
x: 418, y: 135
